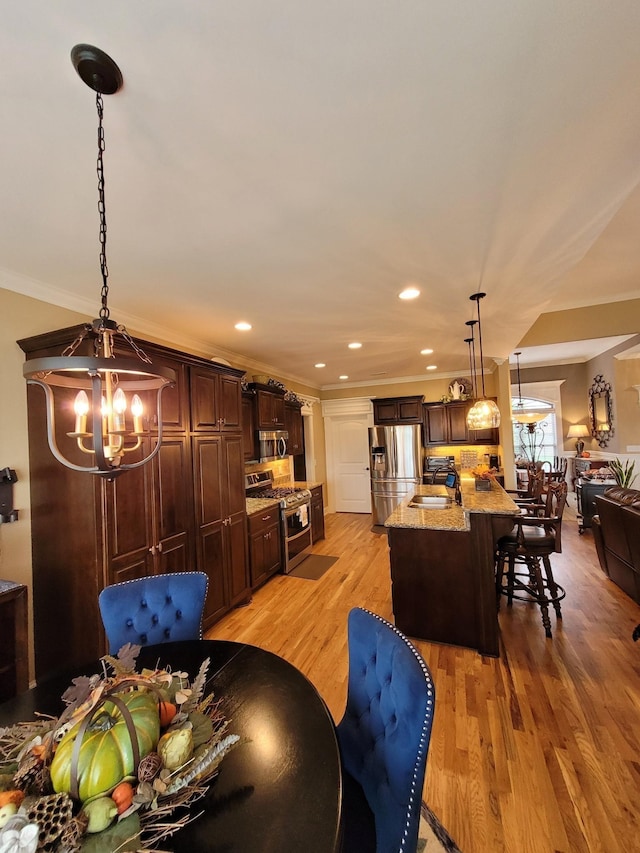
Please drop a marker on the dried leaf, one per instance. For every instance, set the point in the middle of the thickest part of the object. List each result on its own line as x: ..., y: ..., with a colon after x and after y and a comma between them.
x: 79, y: 691
x: 183, y: 695
x: 197, y: 688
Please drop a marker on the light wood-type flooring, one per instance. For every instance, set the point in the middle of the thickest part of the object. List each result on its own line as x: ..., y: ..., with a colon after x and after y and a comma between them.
x: 536, y: 751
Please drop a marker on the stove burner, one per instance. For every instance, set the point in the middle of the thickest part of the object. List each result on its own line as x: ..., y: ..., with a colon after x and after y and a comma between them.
x: 279, y: 492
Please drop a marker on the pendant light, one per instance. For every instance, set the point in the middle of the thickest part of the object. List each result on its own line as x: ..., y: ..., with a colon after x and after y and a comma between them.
x: 103, y: 399
x: 520, y: 416
x: 484, y: 414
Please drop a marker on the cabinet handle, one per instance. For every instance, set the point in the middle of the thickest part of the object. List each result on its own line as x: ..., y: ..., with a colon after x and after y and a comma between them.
x: 266, y: 517
x: 152, y: 550
x: 160, y: 547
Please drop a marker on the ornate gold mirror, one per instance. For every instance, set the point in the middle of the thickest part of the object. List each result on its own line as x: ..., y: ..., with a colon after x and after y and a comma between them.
x: 600, y: 411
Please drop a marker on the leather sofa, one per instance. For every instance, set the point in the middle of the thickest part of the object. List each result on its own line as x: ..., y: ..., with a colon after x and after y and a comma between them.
x: 616, y: 531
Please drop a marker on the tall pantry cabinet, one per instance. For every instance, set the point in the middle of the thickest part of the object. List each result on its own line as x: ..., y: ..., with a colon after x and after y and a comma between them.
x: 182, y: 511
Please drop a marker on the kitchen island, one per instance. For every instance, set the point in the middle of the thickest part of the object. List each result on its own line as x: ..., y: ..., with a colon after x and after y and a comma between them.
x: 442, y: 565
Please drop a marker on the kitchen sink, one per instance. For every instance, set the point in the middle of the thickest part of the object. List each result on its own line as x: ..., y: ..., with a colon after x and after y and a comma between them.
x: 430, y: 502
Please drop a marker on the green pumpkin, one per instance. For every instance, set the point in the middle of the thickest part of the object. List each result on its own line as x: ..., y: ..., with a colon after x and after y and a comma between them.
x: 106, y: 755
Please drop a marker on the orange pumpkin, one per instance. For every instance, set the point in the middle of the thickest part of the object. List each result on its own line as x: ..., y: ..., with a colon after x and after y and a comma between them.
x: 122, y: 796
x: 16, y: 797
x: 167, y: 711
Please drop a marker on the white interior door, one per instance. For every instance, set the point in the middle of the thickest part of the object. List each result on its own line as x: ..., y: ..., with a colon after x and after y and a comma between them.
x: 346, y: 433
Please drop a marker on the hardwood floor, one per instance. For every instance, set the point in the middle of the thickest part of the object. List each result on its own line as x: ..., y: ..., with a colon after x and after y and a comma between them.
x: 536, y: 751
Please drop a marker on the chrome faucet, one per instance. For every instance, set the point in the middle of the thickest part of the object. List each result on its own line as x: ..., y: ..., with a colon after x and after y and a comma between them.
x: 450, y: 469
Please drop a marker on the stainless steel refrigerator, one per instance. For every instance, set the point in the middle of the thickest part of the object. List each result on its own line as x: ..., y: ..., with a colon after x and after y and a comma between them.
x: 395, y: 463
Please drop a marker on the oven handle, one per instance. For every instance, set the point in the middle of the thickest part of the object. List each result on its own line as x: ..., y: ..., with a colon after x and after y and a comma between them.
x: 289, y: 511
x: 303, y: 532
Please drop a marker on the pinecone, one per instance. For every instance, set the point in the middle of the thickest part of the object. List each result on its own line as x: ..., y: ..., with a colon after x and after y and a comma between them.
x: 52, y: 814
x: 27, y: 772
x: 71, y: 838
x: 149, y: 767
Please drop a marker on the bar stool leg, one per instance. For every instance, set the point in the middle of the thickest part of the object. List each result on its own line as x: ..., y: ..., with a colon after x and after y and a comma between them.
x: 552, y: 587
x: 539, y: 593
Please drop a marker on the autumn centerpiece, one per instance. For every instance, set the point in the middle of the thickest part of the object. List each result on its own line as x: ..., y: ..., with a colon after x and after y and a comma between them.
x: 483, y: 476
x: 118, y: 769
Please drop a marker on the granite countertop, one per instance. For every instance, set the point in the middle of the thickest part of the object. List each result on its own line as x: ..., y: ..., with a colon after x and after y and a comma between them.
x: 260, y: 504
x: 495, y: 501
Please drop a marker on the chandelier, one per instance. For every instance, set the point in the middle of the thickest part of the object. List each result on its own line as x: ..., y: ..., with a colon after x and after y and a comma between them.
x: 105, y: 399
x: 484, y: 414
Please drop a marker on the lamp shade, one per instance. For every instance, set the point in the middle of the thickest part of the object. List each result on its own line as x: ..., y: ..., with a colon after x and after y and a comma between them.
x: 577, y: 431
x: 524, y: 417
x: 484, y: 414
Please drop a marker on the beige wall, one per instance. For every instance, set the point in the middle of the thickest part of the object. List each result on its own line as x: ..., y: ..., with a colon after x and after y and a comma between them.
x: 594, y: 321
x: 21, y: 318
x: 432, y: 389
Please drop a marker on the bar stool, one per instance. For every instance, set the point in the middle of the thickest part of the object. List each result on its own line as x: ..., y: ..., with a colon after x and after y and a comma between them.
x: 519, y: 555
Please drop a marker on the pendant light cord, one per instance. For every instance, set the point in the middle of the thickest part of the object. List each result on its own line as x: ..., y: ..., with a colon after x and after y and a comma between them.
x: 104, y: 269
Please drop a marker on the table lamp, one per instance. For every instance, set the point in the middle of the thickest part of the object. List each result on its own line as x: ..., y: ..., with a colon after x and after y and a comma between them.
x: 578, y: 431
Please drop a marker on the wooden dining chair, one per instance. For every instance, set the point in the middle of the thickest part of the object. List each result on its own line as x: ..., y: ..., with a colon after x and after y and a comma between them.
x: 154, y: 609
x: 523, y: 567
x: 383, y: 737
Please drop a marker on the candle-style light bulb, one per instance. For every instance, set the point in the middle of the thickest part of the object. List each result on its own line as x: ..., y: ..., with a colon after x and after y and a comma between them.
x: 119, y: 408
x: 81, y: 407
x: 137, y: 410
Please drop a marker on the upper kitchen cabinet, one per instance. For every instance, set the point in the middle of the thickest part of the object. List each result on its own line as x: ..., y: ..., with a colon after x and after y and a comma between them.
x: 249, y: 426
x: 397, y: 410
x: 446, y: 423
x: 216, y: 400
x: 269, y: 406
x: 294, y: 426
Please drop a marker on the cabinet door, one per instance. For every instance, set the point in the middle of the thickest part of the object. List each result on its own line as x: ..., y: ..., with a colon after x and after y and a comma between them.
x: 204, y: 412
x: 385, y: 412
x: 209, y: 513
x: 410, y: 411
x: 173, y: 524
x: 248, y: 428
x: 457, y: 423
x: 237, y: 562
x: 175, y: 400
x: 435, y: 424
x: 229, y: 397
x: 293, y: 425
x: 270, y: 408
x: 129, y: 524
x: 264, y: 407
x: 317, y: 514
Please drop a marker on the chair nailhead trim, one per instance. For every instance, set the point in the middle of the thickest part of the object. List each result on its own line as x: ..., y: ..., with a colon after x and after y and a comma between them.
x: 426, y: 723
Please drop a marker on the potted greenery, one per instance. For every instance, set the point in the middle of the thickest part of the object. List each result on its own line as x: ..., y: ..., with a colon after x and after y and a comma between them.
x: 623, y: 473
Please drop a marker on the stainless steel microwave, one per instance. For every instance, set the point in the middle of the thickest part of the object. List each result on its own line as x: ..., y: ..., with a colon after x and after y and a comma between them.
x: 272, y: 443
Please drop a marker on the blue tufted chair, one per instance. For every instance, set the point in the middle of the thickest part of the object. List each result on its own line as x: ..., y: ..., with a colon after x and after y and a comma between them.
x: 154, y: 609
x: 384, y: 735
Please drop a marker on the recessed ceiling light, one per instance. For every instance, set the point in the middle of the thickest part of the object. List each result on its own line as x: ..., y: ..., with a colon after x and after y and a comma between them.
x: 355, y: 345
x: 242, y: 326
x: 343, y: 377
x: 320, y: 364
x: 409, y: 293
x: 426, y: 351
x: 432, y: 367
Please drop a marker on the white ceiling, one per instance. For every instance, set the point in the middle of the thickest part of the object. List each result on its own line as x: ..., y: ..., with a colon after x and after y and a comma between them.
x: 295, y: 164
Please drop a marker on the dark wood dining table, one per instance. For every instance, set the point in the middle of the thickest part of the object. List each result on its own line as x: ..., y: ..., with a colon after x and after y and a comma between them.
x: 280, y: 790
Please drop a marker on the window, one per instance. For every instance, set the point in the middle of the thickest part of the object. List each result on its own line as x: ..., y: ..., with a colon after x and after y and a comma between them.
x: 535, y: 442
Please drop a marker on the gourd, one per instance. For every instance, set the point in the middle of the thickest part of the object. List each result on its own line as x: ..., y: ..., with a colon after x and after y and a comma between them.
x: 106, y: 754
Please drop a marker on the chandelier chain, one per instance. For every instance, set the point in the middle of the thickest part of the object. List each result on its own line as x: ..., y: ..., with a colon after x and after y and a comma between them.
x: 104, y: 269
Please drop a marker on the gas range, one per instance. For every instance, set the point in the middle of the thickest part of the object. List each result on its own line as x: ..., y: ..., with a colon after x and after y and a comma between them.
x: 260, y: 485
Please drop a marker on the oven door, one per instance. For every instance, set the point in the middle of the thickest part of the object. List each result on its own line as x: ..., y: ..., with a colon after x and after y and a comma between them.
x: 297, y: 535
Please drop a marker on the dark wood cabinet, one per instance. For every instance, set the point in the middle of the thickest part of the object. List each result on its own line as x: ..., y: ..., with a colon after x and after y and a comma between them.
x: 397, y: 410
x: 183, y: 510
x: 149, y: 517
x: 249, y: 427
x: 586, y: 491
x: 269, y: 407
x: 446, y: 423
x: 317, y: 514
x: 265, y: 545
x: 14, y: 663
x: 216, y: 401
x: 293, y: 423
x: 220, y: 521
